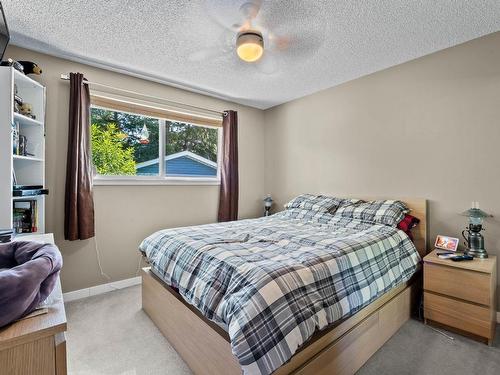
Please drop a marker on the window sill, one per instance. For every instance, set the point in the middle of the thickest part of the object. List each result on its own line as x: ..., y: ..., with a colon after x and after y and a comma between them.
x: 103, y: 181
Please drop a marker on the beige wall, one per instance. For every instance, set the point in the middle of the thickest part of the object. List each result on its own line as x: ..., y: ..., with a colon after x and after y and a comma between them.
x: 127, y: 214
x: 427, y: 128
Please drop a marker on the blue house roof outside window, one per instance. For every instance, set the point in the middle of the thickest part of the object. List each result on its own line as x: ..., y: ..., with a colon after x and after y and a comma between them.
x: 184, y: 163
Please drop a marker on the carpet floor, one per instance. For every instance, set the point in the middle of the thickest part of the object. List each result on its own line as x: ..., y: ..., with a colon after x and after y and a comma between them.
x: 109, y: 334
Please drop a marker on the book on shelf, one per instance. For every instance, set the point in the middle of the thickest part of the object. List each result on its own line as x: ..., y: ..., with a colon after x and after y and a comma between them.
x: 25, y: 216
x: 15, y: 138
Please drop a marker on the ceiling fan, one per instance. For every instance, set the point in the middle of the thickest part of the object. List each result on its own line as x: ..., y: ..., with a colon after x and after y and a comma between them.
x: 247, y: 36
x: 249, y: 40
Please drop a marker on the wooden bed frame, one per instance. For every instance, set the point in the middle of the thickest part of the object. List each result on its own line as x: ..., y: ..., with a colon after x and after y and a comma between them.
x: 341, y: 349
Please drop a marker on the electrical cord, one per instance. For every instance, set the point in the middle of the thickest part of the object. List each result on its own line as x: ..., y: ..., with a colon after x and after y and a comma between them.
x: 101, y: 271
x: 139, y: 265
x: 98, y: 255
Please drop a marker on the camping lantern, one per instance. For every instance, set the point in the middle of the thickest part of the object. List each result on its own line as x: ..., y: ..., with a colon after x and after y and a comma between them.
x: 474, y: 240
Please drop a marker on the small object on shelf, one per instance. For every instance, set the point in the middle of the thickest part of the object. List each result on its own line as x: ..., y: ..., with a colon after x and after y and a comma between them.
x: 22, y: 145
x: 6, y: 235
x: 26, y: 187
x: 29, y: 67
x: 27, y: 110
x: 18, y: 101
x: 13, y: 63
x: 474, y: 240
x: 15, y: 138
x: 29, y: 192
x: 268, y: 203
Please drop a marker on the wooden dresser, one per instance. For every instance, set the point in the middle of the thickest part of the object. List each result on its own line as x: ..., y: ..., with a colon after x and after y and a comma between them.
x: 461, y: 295
x: 36, y: 345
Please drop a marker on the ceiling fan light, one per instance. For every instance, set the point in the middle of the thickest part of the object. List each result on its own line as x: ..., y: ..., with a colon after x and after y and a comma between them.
x: 250, y: 46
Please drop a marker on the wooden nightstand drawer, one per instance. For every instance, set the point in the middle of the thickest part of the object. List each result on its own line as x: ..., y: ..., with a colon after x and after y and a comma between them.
x: 464, y: 316
x: 461, y: 295
x: 459, y: 283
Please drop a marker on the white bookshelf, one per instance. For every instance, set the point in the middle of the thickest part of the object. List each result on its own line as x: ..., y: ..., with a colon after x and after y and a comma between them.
x: 29, y: 170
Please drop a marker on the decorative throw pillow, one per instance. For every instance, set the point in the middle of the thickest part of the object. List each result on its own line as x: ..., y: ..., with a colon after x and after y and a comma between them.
x: 314, y: 202
x: 387, y: 212
x: 407, y: 224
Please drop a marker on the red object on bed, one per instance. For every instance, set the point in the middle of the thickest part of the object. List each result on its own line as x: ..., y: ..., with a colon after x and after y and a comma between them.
x: 407, y: 224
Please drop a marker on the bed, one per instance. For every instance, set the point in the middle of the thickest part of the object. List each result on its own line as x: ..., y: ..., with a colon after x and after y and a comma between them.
x: 297, y: 292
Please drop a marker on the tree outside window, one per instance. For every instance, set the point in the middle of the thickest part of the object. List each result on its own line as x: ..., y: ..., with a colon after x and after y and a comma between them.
x: 117, y: 148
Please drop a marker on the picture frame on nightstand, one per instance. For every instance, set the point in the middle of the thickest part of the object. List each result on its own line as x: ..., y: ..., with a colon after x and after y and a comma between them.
x: 446, y: 243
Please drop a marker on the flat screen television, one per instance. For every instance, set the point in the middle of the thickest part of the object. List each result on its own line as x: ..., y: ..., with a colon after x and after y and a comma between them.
x: 4, y: 33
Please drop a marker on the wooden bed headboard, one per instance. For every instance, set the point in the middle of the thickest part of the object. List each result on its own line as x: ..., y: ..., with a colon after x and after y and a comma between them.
x: 418, y: 207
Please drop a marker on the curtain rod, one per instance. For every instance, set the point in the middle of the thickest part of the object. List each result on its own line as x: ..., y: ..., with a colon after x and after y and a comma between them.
x: 65, y: 77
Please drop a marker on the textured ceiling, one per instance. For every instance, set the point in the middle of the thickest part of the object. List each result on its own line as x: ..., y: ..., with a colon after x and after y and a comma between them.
x: 316, y: 44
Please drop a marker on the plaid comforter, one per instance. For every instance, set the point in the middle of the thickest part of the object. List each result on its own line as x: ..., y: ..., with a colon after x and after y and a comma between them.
x: 272, y: 282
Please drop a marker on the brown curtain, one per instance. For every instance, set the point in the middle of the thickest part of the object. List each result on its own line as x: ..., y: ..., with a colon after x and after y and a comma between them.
x: 79, y: 202
x: 228, y: 199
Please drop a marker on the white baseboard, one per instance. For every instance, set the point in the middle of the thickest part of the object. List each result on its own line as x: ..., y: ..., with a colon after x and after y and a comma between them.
x: 101, y: 289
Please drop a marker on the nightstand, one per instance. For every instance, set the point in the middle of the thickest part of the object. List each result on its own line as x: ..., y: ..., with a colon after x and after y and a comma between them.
x: 461, y: 295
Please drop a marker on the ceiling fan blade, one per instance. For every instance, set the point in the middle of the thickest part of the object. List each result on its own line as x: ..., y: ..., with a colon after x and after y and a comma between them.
x: 278, y: 43
x: 228, y: 15
x: 223, y: 45
x: 251, y: 9
x: 301, y: 46
x: 205, y: 54
x: 268, y: 64
x: 298, y: 14
x: 240, y: 27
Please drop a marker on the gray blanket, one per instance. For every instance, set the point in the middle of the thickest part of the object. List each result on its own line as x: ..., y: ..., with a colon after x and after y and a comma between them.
x: 28, y: 274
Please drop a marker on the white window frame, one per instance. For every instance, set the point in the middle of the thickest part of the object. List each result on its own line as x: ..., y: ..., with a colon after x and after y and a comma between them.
x: 162, y: 178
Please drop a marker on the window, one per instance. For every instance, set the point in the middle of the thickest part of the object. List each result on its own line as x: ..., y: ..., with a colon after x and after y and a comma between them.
x: 128, y: 146
x: 191, y: 150
x: 118, y: 142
